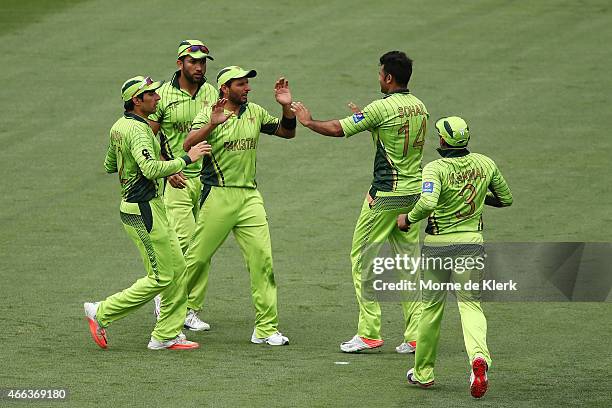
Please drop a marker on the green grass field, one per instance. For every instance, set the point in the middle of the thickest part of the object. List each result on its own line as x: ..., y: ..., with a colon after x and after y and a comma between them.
x: 532, y: 78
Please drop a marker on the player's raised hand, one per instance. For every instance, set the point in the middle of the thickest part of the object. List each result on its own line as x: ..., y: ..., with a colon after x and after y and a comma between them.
x: 199, y: 150
x: 301, y: 112
x: 354, y: 108
x: 282, y: 93
x: 218, y: 115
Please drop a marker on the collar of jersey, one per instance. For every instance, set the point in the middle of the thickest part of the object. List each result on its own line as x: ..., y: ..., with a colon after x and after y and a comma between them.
x: 175, y: 83
x: 130, y: 115
x: 241, y: 110
x: 401, y: 90
x: 456, y: 152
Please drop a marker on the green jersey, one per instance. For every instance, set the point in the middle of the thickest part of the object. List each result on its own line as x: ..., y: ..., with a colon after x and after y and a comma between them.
x: 398, y: 123
x: 175, y: 113
x: 234, y: 143
x: 133, y: 152
x: 454, y: 191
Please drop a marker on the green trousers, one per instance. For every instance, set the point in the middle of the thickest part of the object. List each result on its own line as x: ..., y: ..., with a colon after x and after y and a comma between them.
x: 183, y: 206
x: 473, y: 321
x: 376, y: 225
x: 147, y: 225
x: 241, y: 211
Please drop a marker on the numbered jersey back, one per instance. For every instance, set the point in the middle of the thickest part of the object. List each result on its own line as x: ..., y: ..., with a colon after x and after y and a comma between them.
x: 462, y: 184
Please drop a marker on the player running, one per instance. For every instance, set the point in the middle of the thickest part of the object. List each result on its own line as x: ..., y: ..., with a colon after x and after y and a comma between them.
x: 181, y: 99
x: 398, y: 123
x: 230, y: 201
x: 134, y: 154
x: 455, y: 190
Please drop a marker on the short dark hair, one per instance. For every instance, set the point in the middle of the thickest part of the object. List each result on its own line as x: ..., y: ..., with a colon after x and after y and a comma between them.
x: 128, y: 106
x: 398, y: 65
x: 228, y: 83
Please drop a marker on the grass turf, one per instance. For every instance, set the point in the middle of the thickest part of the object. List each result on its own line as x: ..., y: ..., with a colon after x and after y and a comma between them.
x: 530, y: 79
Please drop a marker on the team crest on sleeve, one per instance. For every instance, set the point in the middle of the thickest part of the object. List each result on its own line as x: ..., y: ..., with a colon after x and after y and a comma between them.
x: 358, y: 117
x: 428, y: 187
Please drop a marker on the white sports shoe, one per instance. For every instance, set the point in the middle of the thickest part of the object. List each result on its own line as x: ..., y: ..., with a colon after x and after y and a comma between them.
x: 276, y: 339
x: 157, y: 307
x: 406, y: 347
x: 358, y: 343
x: 193, y: 322
x: 177, y: 343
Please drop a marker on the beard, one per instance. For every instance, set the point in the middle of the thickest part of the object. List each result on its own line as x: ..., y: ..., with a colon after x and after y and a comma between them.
x: 191, y: 79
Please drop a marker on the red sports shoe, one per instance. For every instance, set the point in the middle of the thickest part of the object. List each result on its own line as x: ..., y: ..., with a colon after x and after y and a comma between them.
x: 478, y: 378
x: 97, y: 332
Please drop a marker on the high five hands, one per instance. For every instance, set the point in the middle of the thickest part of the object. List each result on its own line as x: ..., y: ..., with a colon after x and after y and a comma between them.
x: 282, y: 93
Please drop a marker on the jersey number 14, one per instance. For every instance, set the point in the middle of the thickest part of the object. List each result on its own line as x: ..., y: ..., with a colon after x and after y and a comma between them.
x: 419, y: 141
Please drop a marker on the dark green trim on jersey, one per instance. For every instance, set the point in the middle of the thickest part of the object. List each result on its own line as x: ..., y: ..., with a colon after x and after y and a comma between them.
x: 269, y: 129
x: 385, y: 176
x: 130, y: 115
x: 211, y: 172
x: 141, y: 191
x: 242, y: 109
x: 401, y: 90
x: 166, y: 151
x: 449, y: 153
x: 186, y: 159
x: 147, y: 215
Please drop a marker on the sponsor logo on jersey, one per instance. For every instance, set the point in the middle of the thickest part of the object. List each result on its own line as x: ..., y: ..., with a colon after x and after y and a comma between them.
x: 182, y: 127
x: 358, y: 117
x: 240, y: 144
x: 428, y: 187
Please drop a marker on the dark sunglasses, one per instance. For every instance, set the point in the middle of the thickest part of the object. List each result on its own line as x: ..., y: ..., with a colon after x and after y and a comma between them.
x: 195, y: 48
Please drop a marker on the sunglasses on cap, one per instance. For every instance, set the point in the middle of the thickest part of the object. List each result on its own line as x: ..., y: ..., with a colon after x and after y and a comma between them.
x: 195, y: 48
x: 145, y: 82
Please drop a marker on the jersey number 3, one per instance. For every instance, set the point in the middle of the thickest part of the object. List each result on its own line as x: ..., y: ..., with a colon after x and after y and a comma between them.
x: 469, y: 200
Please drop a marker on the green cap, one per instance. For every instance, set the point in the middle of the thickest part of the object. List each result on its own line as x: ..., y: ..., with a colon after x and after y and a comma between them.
x: 137, y: 85
x: 454, y: 131
x: 195, y: 48
x: 234, y: 72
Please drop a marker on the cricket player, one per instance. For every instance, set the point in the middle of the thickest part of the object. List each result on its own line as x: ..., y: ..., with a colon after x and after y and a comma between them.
x: 455, y: 189
x: 398, y: 123
x: 230, y: 201
x: 181, y: 99
x: 134, y: 154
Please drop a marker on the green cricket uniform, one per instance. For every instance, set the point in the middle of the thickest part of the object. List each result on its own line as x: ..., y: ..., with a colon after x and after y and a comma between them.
x: 175, y: 113
x: 231, y: 202
x: 398, y: 123
x: 134, y: 154
x: 454, y: 192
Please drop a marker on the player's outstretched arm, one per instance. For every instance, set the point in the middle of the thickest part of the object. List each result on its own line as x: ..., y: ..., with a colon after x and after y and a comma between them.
x: 323, y: 127
x: 282, y: 94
